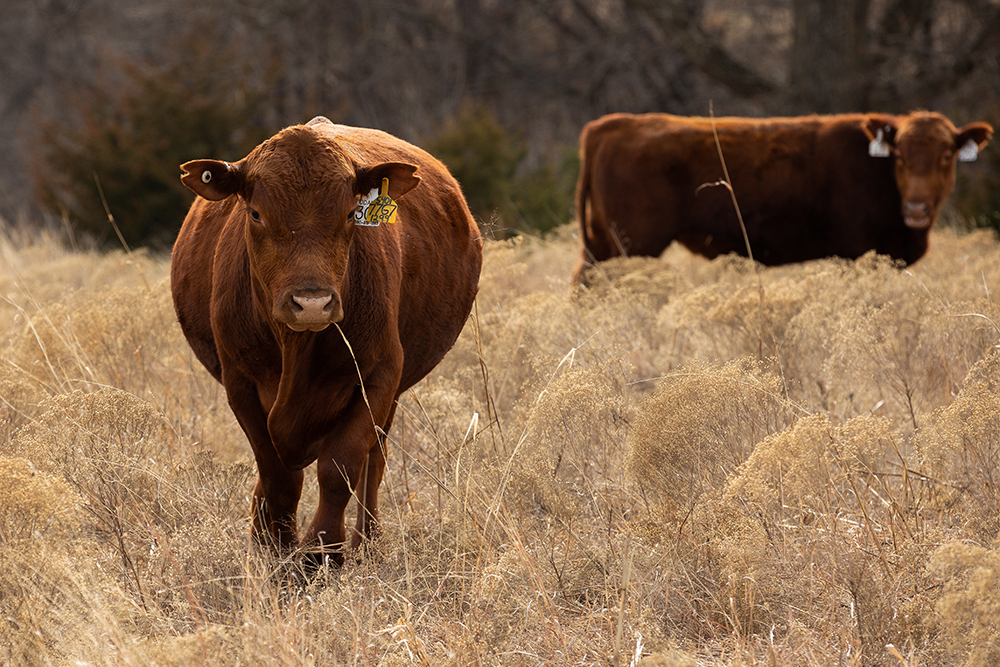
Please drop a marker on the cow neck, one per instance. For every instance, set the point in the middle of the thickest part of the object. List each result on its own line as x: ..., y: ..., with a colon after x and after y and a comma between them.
x: 318, y: 377
x: 291, y: 419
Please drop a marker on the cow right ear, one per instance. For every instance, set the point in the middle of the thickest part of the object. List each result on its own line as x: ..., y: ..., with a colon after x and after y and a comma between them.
x: 400, y: 174
x: 882, y: 133
x: 971, y: 139
x: 212, y: 179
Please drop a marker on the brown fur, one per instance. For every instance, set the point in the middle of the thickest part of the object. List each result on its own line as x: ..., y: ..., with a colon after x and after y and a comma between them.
x: 401, y: 294
x: 807, y: 187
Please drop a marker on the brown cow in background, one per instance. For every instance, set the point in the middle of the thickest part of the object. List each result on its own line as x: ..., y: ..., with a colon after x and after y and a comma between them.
x: 807, y: 187
x: 271, y: 253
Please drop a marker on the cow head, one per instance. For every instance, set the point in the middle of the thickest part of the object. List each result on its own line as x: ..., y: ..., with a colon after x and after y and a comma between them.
x: 925, y: 147
x: 296, y: 195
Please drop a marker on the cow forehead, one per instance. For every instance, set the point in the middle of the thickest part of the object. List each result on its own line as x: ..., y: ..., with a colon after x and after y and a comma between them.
x: 929, y: 133
x: 297, y: 161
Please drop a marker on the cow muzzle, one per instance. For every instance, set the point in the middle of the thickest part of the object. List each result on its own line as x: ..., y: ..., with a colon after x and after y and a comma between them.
x: 309, y: 310
x: 917, y: 215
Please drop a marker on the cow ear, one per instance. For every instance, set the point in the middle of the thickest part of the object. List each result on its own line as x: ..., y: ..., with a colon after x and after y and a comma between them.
x: 882, y: 133
x: 400, y: 175
x: 212, y: 179
x: 970, y: 139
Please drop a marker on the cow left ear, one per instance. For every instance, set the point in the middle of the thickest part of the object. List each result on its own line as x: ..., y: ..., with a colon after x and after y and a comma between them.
x: 212, y: 179
x: 881, y: 130
x: 400, y: 174
x: 971, y: 139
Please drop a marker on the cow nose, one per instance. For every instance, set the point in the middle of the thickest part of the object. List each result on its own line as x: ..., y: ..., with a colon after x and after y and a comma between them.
x: 312, y: 310
x: 916, y: 214
x: 310, y: 305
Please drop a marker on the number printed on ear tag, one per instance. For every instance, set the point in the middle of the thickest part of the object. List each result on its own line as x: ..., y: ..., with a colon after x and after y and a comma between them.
x: 383, y: 209
x: 361, y: 212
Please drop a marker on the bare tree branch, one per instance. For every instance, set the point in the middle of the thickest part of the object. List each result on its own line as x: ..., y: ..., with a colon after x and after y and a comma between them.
x: 965, y: 62
x: 686, y: 36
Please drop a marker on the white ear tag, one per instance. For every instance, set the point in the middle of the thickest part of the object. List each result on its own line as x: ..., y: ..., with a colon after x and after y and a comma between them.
x: 361, y: 212
x: 969, y: 151
x: 878, y: 147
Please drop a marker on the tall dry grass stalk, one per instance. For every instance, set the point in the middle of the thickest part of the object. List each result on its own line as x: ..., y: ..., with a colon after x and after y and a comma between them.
x: 662, y: 470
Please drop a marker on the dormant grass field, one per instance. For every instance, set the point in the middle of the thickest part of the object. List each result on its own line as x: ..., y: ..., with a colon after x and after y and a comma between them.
x: 693, y: 463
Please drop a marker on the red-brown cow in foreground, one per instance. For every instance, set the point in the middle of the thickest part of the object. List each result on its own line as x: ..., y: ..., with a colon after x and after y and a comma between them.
x: 269, y: 257
x: 807, y: 187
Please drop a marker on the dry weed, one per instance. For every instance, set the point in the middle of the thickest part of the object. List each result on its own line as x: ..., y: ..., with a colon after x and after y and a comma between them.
x: 959, y: 453
x: 691, y: 462
x: 44, y: 537
x: 700, y: 425
x: 970, y: 601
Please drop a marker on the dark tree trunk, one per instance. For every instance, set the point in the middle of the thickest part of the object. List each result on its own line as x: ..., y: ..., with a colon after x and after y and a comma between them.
x: 829, y: 62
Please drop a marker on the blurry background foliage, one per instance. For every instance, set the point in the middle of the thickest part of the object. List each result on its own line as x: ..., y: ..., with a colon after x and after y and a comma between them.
x: 121, y: 91
x: 133, y: 132
x: 489, y: 162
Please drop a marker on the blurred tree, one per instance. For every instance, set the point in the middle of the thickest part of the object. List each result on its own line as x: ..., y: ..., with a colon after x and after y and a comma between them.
x: 44, y: 46
x: 679, y: 22
x: 848, y: 55
x: 828, y: 61
x: 503, y: 194
x: 541, y: 68
x: 482, y: 156
x: 122, y: 156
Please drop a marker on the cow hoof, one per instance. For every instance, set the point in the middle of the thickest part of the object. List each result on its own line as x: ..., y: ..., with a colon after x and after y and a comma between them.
x: 316, y: 561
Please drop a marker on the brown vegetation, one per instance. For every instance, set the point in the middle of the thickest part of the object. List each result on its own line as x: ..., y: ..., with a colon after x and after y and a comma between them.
x: 675, y: 463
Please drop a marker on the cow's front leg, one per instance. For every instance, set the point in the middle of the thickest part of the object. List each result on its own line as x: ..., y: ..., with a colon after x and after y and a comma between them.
x: 342, y: 469
x: 275, y: 499
x: 278, y: 489
x: 326, y: 536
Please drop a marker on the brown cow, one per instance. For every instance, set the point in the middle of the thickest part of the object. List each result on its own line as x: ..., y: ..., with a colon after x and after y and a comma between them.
x: 807, y: 187
x: 269, y: 256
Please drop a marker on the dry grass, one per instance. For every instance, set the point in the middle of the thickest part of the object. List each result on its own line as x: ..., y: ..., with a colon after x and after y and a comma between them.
x: 669, y: 468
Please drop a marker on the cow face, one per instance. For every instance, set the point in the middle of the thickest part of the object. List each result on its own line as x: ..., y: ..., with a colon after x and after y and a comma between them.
x: 295, y: 196
x: 925, y: 147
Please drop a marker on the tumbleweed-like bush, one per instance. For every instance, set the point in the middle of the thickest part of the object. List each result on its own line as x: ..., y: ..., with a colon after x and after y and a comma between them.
x: 689, y: 462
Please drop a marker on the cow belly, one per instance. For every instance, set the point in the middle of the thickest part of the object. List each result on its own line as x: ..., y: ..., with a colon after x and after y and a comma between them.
x: 424, y: 345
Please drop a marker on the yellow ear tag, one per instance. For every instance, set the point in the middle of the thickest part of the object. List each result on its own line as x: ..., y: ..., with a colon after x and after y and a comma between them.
x: 383, y: 209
